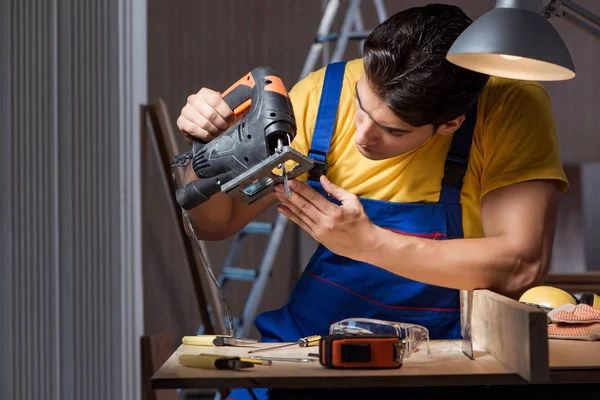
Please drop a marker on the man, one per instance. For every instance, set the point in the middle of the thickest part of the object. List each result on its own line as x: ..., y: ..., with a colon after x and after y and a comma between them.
x: 438, y: 179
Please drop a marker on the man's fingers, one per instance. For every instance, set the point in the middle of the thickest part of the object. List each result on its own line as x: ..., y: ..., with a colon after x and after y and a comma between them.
x: 185, y: 126
x: 205, y: 116
x: 337, y: 192
x: 196, y: 112
x: 320, y: 203
x: 200, y: 126
x: 191, y: 129
x: 299, y: 207
x: 295, y: 219
x: 213, y: 117
x: 215, y: 100
x: 218, y: 120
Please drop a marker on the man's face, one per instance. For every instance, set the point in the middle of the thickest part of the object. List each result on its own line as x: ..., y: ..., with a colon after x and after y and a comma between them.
x: 380, y: 134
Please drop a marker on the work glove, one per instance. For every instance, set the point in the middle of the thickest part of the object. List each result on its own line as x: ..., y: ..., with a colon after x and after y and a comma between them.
x: 581, y: 322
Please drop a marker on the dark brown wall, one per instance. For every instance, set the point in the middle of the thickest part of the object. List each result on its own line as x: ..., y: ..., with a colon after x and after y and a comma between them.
x: 213, y: 43
x: 195, y: 43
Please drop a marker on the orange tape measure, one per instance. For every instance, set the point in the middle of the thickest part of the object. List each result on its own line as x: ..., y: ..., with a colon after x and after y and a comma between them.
x: 368, y: 352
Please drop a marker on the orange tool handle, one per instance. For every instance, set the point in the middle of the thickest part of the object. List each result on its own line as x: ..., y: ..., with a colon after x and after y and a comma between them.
x: 239, y: 95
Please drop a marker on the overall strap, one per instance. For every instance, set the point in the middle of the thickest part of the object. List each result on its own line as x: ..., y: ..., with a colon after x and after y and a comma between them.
x: 326, y: 118
x: 457, y: 159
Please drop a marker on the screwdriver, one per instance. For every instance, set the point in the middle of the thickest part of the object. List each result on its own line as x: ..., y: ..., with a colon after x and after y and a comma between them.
x: 215, y: 361
x: 216, y: 340
x: 302, y: 342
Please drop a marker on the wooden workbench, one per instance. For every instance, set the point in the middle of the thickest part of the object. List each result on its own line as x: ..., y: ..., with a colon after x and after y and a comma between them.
x: 510, y: 349
x: 570, y: 362
x: 574, y: 361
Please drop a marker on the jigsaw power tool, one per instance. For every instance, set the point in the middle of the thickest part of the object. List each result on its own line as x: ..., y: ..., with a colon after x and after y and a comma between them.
x: 248, y: 159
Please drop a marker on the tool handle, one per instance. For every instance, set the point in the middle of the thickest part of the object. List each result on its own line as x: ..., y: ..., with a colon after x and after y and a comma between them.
x: 213, y: 361
x: 238, y: 96
x: 197, y: 192
x: 201, y: 340
x: 204, y: 361
x: 309, y: 341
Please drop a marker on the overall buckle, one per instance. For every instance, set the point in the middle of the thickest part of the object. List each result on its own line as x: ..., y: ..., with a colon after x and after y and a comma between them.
x: 320, y: 167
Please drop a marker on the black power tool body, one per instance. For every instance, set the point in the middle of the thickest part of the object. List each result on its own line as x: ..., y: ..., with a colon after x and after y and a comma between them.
x: 248, y: 159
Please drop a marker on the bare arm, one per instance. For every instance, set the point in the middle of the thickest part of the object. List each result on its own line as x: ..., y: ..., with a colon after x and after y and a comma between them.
x: 222, y: 216
x: 519, y: 223
x: 518, y: 219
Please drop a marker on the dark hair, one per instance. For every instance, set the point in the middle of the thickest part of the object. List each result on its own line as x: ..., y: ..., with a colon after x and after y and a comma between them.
x: 405, y: 65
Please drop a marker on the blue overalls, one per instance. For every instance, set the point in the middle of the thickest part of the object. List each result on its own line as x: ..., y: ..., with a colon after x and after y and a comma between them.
x: 333, y: 288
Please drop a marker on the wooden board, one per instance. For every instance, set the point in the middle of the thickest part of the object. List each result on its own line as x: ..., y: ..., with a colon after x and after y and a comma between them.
x: 574, y: 354
x: 574, y: 361
x: 513, y: 333
x: 447, y: 366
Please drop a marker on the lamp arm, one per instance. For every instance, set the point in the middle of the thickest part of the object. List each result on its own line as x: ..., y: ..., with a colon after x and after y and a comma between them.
x: 566, y: 9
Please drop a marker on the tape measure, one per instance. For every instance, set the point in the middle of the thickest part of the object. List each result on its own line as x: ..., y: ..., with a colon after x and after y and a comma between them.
x: 357, y: 351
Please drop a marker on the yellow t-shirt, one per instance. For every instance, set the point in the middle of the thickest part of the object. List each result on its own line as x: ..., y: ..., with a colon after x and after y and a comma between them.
x: 514, y: 141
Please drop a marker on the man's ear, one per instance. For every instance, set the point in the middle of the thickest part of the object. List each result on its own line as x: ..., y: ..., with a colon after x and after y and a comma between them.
x: 451, y: 126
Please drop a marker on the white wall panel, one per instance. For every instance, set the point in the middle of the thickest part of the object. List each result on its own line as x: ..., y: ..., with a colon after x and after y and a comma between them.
x: 72, y: 78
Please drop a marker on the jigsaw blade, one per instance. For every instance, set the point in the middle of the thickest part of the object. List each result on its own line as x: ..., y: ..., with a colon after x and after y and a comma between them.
x: 285, y: 180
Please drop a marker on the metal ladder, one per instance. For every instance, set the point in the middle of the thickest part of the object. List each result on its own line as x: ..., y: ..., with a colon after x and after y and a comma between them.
x: 352, y: 29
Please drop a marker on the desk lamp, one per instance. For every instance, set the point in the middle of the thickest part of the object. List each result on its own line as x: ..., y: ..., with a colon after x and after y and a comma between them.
x: 515, y: 40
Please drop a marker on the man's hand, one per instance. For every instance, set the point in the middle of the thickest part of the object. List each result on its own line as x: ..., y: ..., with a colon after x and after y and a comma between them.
x: 205, y: 116
x: 345, y: 229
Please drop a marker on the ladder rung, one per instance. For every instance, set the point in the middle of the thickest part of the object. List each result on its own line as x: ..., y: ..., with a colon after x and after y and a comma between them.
x: 258, y: 227
x: 330, y: 37
x: 326, y: 38
x: 240, y: 274
x: 359, y: 34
